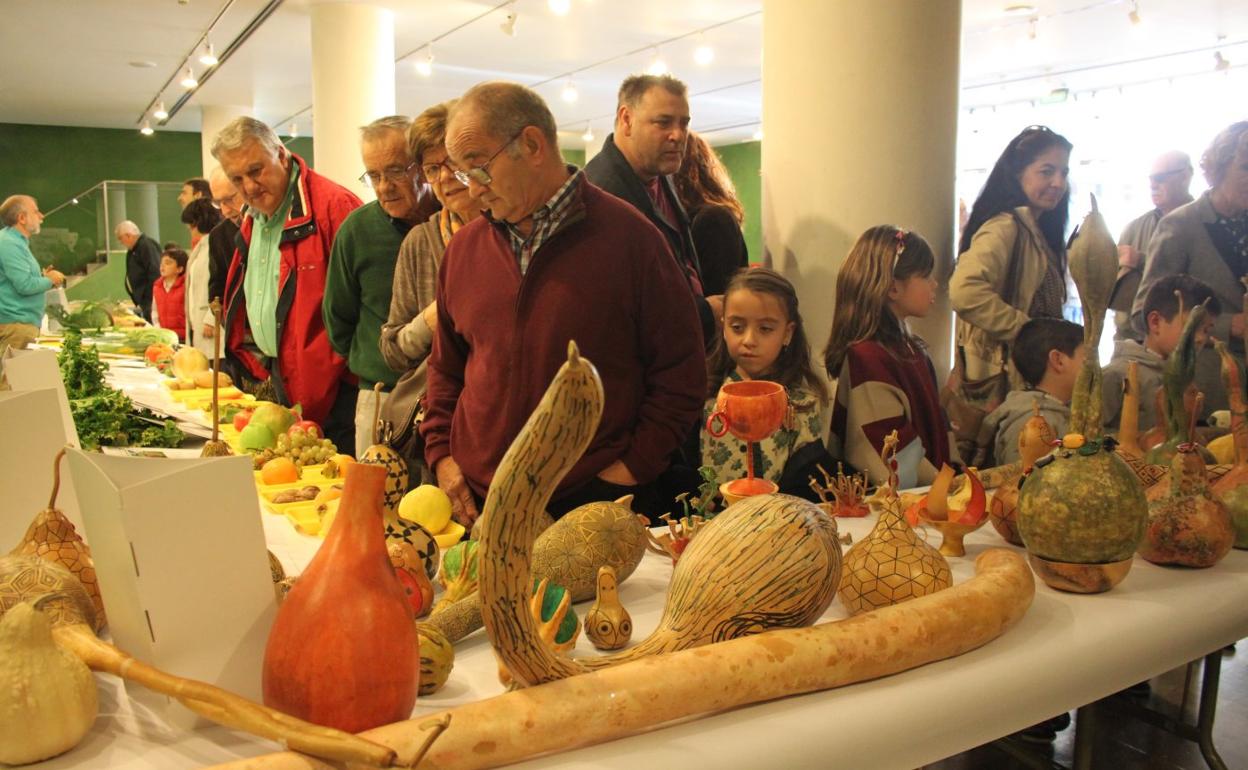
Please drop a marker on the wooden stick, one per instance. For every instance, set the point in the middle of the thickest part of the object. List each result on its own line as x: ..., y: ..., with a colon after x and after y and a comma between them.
x: 568, y: 713
x: 216, y: 365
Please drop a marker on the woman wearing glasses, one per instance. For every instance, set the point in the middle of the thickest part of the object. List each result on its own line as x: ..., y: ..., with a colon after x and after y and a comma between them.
x: 407, y: 335
x: 1208, y: 239
x: 1011, y: 268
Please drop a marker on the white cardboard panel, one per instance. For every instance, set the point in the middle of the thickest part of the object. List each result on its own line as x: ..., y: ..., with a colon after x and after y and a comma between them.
x: 31, y: 433
x: 36, y: 369
x: 180, y: 553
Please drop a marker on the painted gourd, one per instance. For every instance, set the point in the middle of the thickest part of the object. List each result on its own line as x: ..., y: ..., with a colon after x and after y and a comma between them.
x: 557, y: 624
x: 409, y: 568
x: 437, y: 658
x: 51, y: 536
x: 608, y: 626
x: 1034, y: 442
x: 419, y: 538
x: 892, y: 564
x: 1178, y: 378
x: 765, y: 562
x: 1233, y: 487
x: 28, y: 578
x: 570, y: 551
x: 380, y: 453
x: 343, y: 650
x: 459, y: 572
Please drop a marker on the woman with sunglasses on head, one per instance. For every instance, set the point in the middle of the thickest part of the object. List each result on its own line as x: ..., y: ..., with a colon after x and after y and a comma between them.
x: 1011, y: 267
x: 407, y: 335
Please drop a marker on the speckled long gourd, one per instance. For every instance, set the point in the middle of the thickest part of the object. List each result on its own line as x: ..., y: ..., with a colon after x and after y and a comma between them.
x: 762, y: 563
x: 1093, y: 261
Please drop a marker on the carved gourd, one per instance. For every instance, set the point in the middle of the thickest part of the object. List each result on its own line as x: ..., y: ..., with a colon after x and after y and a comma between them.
x: 1034, y: 441
x: 1178, y: 378
x: 381, y: 453
x: 892, y: 564
x: 51, y: 536
x: 607, y: 624
x: 409, y: 568
x: 343, y: 649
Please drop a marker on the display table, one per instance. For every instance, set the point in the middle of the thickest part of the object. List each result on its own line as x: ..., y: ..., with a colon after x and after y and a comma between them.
x: 1067, y: 651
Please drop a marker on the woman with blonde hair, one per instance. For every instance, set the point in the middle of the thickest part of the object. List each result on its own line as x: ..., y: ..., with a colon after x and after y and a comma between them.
x: 715, y: 214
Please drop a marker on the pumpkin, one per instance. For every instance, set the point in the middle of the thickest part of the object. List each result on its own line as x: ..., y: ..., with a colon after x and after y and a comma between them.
x: 343, y: 650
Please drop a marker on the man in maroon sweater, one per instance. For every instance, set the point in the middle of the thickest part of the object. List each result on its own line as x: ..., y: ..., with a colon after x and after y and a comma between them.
x: 555, y: 259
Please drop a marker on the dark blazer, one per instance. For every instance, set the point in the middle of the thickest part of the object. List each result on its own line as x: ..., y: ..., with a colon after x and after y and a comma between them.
x: 720, y: 244
x: 142, y: 270
x: 609, y: 169
x: 221, y: 246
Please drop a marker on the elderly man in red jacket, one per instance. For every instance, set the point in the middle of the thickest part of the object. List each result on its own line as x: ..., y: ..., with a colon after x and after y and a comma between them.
x: 273, y: 291
x: 556, y: 259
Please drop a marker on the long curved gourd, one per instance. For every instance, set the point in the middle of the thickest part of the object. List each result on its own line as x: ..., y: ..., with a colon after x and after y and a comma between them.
x: 569, y: 713
x: 1177, y: 375
x: 765, y: 562
x: 1093, y: 261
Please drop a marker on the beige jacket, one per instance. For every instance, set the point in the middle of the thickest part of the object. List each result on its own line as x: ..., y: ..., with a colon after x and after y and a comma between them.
x: 985, y: 320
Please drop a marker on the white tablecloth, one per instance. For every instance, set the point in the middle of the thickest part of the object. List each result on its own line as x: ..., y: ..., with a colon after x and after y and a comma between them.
x: 1067, y: 651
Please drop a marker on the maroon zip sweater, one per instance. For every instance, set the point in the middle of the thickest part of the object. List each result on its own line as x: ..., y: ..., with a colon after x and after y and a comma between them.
x: 605, y: 279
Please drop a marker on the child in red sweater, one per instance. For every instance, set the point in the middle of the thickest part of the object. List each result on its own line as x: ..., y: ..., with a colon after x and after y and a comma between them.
x: 169, y: 292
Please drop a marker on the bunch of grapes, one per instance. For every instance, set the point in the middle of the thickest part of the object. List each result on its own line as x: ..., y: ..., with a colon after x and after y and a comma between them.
x: 304, y: 448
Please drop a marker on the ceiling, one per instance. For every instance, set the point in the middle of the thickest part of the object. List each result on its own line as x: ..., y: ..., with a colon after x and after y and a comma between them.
x: 69, y: 62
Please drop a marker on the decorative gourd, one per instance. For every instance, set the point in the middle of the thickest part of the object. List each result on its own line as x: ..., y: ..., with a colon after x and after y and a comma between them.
x: 848, y: 493
x: 766, y: 562
x: 51, y: 536
x: 1233, y: 487
x: 459, y: 572
x: 65, y: 603
x: 409, y: 568
x: 892, y: 564
x: 954, y: 516
x: 1190, y: 527
x: 1178, y: 377
x: 1083, y: 504
x: 1129, y: 417
x: 437, y: 658
x: 607, y: 624
x: 215, y: 447
x: 343, y: 650
x: 1034, y: 441
x: 557, y: 624
x: 409, y: 533
x: 48, y: 700
x: 381, y: 453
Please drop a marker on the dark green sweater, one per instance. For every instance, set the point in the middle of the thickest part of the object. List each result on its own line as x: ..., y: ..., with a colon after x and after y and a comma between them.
x: 357, y: 290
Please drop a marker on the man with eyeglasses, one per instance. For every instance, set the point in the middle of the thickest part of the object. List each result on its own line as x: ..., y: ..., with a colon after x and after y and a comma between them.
x: 274, y: 332
x: 636, y: 164
x: 361, y: 265
x: 1168, y: 181
x: 555, y: 260
x: 221, y: 239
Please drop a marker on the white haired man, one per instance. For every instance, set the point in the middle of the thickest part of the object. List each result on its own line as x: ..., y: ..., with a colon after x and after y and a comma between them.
x: 142, y: 265
x: 274, y: 330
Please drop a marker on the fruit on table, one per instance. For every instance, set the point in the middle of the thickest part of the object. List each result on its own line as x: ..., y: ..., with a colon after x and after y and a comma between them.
x: 159, y: 355
x: 302, y: 495
x: 204, y: 379
x: 279, y: 470
x: 335, y: 466
x: 241, y: 418
x: 187, y: 361
x: 48, y: 699
x: 303, y: 448
x: 275, y: 417
x: 307, y: 426
x: 362, y: 670
x: 255, y: 437
x: 428, y: 506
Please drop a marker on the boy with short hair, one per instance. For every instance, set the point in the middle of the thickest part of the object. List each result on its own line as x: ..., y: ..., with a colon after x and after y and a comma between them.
x: 1165, y: 327
x: 1048, y: 354
x: 169, y: 292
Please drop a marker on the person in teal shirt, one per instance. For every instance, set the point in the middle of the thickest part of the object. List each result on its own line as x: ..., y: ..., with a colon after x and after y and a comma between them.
x: 22, y: 282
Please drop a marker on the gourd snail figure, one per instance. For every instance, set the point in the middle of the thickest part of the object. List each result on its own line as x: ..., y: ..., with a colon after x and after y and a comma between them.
x: 607, y: 624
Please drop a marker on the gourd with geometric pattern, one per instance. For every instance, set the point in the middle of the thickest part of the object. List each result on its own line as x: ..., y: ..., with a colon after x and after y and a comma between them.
x: 382, y: 454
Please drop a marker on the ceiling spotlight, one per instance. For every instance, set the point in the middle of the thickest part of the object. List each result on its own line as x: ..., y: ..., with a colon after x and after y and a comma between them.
x: 208, y: 58
x: 161, y: 113
x: 1134, y: 14
x: 588, y: 136
x: 559, y: 7
x: 1220, y: 62
x: 1032, y: 25
x: 146, y: 130
x: 657, y: 65
x: 703, y: 54
x: 569, y: 93
x: 509, y: 22
x: 758, y: 135
x: 1020, y: 9
x: 188, y: 79
x: 425, y: 65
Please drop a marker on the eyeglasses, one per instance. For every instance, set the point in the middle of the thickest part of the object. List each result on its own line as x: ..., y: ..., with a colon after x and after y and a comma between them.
x: 480, y: 174
x: 1162, y: 176
x: 393, y: 175
x: 433, y: 171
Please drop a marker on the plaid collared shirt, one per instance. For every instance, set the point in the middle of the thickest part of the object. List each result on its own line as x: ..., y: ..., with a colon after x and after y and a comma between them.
x: 547, y: 220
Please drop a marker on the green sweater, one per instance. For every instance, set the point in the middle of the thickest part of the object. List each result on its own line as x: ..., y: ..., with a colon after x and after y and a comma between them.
x: 357, y: 290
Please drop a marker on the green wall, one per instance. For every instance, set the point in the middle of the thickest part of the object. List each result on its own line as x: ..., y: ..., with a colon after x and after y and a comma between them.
x: 744, y: 163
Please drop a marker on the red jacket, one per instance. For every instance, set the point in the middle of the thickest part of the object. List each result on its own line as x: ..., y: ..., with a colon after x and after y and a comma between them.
x: 306, y: 370
x: 606, y: 279
x: 171, y: 305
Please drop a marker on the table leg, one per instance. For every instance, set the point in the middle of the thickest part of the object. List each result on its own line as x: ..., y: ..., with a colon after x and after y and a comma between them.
x: 1208, y: 709
x: 1085, y: 737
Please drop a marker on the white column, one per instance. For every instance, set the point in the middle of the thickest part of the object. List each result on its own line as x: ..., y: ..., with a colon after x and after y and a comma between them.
x: 860, y: 105
x: 352, y: 84
x: 594, y: 147
x: 145, y: 210
x: 212, y: 118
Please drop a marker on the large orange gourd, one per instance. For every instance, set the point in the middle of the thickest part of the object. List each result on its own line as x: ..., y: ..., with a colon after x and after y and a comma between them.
x: 343, y: 651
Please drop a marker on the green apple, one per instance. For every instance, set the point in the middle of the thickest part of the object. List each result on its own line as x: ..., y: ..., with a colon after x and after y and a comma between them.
x: 256, y: 437
x: 275, y: 417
